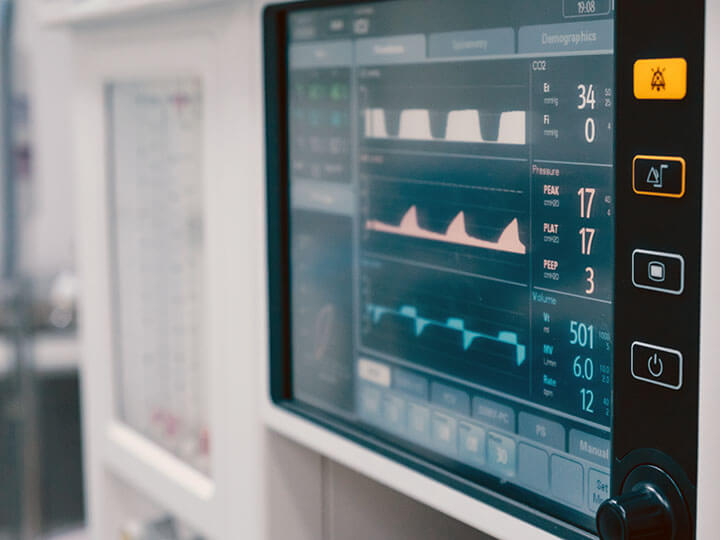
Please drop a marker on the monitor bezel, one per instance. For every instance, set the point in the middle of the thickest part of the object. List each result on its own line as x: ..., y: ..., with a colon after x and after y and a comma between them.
x: 633, y: 40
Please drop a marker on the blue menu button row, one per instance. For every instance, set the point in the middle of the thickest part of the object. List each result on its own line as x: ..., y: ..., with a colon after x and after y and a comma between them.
x: 535, y: 467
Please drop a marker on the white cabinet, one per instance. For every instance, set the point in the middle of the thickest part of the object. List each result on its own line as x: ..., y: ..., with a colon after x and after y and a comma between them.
x: 171, y: 254
x: 169, y: 192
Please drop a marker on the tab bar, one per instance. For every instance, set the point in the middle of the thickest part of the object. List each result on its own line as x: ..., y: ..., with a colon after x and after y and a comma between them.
x: 472, y: 43
x: 567, y: 37
x: 321, y: 54
x: 392, y: 50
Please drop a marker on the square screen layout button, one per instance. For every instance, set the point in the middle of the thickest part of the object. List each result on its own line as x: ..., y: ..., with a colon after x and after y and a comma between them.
x: 658, y: 271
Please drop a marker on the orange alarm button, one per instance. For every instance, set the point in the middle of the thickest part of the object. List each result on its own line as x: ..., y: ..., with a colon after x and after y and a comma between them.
x: 660, y: 78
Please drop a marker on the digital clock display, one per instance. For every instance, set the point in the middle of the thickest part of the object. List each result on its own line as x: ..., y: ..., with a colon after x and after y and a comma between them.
x: 451, y: 179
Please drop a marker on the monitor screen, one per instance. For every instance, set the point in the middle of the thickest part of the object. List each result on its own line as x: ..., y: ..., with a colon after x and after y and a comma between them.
x: 451, y: 226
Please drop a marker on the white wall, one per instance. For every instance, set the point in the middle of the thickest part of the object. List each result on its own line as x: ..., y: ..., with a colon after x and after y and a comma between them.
x: 43, y: 73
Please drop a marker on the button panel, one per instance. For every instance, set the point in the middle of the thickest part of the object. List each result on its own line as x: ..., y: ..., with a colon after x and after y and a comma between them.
x: 659, y: 176
x: 657, y: 365
x: 659, y: 151
x: 658, y: 271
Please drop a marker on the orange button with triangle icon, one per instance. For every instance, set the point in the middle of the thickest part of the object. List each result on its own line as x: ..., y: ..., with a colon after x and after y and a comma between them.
x: 659, y: 176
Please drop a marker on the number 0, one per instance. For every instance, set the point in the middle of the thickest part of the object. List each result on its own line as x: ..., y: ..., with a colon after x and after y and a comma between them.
x: 590, y: 130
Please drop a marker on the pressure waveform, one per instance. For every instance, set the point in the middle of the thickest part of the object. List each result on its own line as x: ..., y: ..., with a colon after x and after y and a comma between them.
x: 469, y: 336
x: 469, y: 126
x: 456, y: 233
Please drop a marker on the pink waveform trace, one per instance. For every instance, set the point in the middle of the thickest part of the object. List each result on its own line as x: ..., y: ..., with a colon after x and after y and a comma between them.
x: 456, y: 233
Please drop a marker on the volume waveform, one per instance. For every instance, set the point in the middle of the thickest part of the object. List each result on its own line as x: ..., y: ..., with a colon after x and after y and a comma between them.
x: 456, y: 233
x: 469, y: 126
x: 469, y: 336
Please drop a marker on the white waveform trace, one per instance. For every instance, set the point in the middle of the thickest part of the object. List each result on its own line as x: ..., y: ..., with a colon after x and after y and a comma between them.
x: 375, y: 123
x: 456, y: 233
x: 415, y: 124
x: 512, y: 127
x: 462, y: 126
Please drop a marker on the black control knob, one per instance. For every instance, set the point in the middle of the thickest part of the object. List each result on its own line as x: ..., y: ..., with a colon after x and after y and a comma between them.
x: 651, y: 507
x: 642, y: 513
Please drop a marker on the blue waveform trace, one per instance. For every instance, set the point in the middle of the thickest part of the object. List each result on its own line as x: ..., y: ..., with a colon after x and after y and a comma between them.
x: 452, y: 323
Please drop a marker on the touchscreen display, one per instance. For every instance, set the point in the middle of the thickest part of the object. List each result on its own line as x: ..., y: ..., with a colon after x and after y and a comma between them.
x: 451, y: 178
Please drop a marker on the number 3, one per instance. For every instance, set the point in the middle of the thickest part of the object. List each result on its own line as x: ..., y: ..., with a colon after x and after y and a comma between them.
x: 591, y: 280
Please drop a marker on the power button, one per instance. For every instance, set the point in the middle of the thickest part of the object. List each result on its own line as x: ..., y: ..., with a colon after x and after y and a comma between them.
x: 657, y: 365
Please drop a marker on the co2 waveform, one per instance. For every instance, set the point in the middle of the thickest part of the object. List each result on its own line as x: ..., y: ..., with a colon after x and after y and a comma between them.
x: 469, y: 336
x: 456, y: 233
x: 469, y: 126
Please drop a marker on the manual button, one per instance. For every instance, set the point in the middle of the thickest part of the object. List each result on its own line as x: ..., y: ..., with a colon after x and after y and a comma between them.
x: 657, y: 365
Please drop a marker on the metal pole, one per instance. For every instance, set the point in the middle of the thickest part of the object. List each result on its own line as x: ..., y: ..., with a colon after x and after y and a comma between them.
x: 24, y: 411
x: 9, y: 225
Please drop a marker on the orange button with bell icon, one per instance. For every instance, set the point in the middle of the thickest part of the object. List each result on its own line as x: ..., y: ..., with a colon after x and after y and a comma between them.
x: 660, y: 78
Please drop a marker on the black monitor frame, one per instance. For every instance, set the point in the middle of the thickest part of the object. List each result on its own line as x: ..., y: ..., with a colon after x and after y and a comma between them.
x: 651, y: 424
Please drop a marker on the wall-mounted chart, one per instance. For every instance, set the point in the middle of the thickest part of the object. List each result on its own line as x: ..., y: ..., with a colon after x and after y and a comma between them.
x: 158, y: 252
